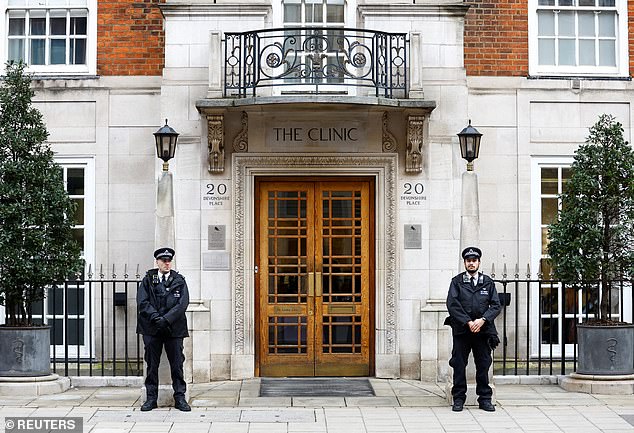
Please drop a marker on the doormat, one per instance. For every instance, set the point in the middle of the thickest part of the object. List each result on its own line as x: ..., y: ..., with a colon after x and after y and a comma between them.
x: 315, y: 387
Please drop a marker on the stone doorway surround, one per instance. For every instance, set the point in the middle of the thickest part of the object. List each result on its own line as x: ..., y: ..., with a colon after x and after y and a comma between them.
x: 245, y: 168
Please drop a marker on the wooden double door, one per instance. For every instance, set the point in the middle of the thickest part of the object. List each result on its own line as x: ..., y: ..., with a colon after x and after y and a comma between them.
x: 315, y: 282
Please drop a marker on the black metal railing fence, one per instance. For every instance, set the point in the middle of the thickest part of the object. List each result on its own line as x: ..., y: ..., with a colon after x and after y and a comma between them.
x: 316, y: 58
x: 93, y: 325
x: 538, y: 322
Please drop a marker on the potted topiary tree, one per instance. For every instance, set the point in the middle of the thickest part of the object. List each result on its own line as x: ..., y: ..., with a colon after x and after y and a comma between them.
x: 36, y: 240
x: 593, y: 241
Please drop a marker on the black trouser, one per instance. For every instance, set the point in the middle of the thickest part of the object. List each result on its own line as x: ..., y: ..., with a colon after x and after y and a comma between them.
x: 462, y: 345
x: 174, y: 351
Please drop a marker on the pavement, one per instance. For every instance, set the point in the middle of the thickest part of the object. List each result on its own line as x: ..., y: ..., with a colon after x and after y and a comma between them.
x: 399, y: 406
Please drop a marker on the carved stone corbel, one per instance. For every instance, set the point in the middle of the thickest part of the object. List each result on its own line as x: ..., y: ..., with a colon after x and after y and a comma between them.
x: 389, y: 141
x: 413, y: 157
x: 241, y: 142
x: 216, y: 143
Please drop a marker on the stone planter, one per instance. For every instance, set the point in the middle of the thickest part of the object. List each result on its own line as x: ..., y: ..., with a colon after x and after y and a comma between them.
x: 25, y: 351
x: 605, y: 350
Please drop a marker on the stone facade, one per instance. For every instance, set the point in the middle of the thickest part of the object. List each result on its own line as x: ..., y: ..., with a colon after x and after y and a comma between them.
x: 456, y: 75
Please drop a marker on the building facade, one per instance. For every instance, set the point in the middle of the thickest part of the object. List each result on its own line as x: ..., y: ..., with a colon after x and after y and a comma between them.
x: 318, y: 178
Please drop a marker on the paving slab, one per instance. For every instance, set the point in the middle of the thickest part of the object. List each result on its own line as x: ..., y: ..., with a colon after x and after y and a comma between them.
x: 265, y: 401
x: 371, y: 401
x: 229, y: 427
x: 214, y: 402
x: 277, y: 416
x: 406, y: 406
x: 629, y: 419
x: 318, y: 402
x: 189, y: 427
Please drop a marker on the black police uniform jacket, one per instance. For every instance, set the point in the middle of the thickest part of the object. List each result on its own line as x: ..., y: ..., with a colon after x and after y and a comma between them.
x: 467, y: 302
x: 169, y: 300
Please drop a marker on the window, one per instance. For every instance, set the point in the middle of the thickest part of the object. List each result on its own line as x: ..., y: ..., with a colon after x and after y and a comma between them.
x: 329, y: 17
x: 72, y: 302
x: 578, y: 37
x: 322, y: 13
x: 557, y: 308
x: 552, y: 298
x: 51, y: 36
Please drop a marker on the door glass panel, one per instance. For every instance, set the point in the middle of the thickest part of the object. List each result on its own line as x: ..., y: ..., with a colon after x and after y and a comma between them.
x: 342, y: 334
x: 287, y: 246
x: 287, y: 335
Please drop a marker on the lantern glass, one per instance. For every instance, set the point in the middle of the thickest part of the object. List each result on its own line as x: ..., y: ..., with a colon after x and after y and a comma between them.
x: 166, y: 139
x: 469, y: 143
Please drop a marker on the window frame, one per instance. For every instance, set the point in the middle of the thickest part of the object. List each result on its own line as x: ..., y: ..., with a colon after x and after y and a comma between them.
x: 88, y: 254
x: 71, y: 7
x: 350, y: 15
x: 621, y: 50
x: 536, y: 344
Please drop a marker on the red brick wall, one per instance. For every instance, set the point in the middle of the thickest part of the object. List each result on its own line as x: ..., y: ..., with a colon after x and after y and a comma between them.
x: 130, y: 37
x: 496, y: 38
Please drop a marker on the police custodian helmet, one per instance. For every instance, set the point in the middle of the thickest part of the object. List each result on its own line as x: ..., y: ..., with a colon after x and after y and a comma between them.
x: 471, y: 253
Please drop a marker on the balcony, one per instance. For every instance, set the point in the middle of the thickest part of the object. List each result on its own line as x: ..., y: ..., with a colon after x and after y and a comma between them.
x: 316, y: 61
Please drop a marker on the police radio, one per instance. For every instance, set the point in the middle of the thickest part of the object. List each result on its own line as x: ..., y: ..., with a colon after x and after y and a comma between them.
x: 155, y: 279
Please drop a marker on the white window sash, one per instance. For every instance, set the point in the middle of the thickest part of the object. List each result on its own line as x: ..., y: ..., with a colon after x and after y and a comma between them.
x: 621, y: 44
x: 71, y: 9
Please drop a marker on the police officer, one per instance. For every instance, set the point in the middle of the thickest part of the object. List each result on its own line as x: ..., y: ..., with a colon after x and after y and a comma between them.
x: 162, y: 299
x: 473, y: 304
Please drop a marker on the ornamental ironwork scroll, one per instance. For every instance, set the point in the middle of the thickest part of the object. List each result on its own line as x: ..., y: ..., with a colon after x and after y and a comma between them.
x: 216, y: 143
x: 316, y: 58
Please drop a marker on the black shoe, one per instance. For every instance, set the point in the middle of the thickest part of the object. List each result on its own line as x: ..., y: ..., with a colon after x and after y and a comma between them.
x: 182, y: 405
x: 149, y: 405
x: 487, y: 405
x: 457, y: 406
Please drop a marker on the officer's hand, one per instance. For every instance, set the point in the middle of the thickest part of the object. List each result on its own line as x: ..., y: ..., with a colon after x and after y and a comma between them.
x: 161, y: 323
x: 476, y: 325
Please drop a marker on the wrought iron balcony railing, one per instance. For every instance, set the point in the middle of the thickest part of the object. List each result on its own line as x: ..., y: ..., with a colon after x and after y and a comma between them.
x: 313, y: 60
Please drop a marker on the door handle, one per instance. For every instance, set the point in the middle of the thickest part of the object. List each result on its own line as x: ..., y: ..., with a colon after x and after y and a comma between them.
x: 318, y: 291
x: 311, y: 293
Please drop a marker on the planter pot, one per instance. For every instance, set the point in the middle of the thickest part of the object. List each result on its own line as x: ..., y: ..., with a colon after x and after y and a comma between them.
x: 606, y: 350
x: 25, y: 351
